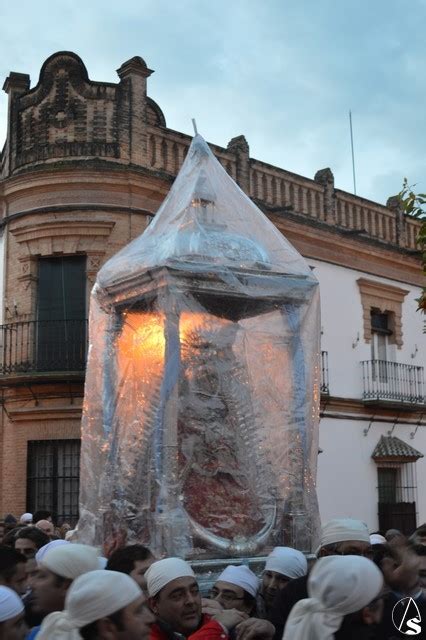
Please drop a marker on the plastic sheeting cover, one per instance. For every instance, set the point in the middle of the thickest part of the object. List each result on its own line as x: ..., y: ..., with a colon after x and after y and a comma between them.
x: 200, y: 420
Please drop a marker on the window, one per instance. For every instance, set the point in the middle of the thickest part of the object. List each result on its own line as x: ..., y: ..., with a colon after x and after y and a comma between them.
x: 387, y: 483
x: 61, y: 314
x: 381, y: 344
x: 53, y: 471
x: 378, y: 301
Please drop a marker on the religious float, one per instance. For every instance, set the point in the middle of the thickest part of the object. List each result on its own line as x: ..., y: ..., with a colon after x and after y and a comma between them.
x: 200, y: 420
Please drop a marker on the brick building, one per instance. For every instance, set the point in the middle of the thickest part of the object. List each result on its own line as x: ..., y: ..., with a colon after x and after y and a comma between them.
x: 84, y: 167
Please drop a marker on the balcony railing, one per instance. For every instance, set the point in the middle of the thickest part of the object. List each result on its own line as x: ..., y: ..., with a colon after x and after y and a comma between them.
x: 393, y: 382
x: 324, y: 372
x: 38, y: 346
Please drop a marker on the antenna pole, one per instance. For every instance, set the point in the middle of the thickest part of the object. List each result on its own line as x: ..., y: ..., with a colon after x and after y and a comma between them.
x: 194, y: 124
x: 352, y: 149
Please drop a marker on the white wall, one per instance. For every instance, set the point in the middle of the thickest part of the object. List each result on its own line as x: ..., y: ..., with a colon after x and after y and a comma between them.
x: 347, y: 475
x: 341, y: 319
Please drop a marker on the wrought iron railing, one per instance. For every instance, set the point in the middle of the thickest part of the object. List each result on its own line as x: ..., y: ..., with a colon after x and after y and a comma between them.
x: 393, y: 381
x: 324, y: 372
x: 43, y: 346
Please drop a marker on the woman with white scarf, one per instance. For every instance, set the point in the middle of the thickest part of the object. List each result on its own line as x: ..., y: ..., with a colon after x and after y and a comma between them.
x: 337, y: 586
x: 100, y: 604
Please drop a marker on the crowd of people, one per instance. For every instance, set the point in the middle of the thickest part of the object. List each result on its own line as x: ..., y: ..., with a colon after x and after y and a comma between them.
x: 360, y: 586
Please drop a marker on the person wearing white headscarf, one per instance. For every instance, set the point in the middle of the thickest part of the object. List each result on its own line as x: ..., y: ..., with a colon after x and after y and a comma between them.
x: 282, y: 565
x: 12, y: 622
x: 337, y: 586
x: 48, y: 547
x: 70, y: 560
x: 91, y: 601
x: 340, y: 530
x: 160, y: 573
x: 236, y: 588
x: 26, y: 518
x: 175, y: 598
x: 339, y: 536
x: 57, y: 568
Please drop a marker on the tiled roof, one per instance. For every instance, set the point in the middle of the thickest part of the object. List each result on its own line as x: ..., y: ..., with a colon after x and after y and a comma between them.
x: 391, y: 447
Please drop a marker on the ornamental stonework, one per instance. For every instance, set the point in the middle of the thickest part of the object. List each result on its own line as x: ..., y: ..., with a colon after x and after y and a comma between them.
x: 387, y: 299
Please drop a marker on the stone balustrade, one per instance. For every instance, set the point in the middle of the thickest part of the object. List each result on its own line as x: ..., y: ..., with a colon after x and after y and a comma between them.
x: 282, y: 190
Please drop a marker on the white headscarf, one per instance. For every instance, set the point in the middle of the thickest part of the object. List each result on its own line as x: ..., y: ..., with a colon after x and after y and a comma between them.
x: 164, y: 571
x: 343, y: 530
x: 26, y: 518
x: 287, y: 561
x: 10, y: 604
x: 48, y: 547
x: 70, y: 560
x: 241, y: 576
x: 337, y: 585
x: 92, y: 596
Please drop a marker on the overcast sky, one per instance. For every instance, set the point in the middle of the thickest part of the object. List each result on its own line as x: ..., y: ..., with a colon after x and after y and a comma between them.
x: 282, y: 72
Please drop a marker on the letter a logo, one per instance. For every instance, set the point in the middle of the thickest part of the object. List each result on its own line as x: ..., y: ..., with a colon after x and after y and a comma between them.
x: 406, y: 617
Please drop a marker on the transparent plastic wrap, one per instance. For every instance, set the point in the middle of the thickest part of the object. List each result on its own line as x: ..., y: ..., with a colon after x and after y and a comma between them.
x: 200, y: 420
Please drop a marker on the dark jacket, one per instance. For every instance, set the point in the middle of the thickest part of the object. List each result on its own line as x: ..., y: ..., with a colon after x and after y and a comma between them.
x: 284, y: 602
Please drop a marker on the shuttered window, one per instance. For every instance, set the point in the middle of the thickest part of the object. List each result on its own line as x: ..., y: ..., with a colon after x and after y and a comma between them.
x: 53, y: 471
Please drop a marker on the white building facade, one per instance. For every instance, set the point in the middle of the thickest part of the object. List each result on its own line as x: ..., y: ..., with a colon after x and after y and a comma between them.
x: 373, y: 336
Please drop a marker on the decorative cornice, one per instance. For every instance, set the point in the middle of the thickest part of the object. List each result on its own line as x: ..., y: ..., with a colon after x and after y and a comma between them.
x: 316, y: 241
x: 388, y: 299
x: 381, y: 290
x: 357, y: 409
x: 63, y: 236
x: 45, y: 413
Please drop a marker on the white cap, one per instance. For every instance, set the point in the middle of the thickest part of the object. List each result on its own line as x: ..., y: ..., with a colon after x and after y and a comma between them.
x: 241, y: 576
x: 92, y: 596
x: 164, y: 571
x: 71, y: 560
x: 48, y: 547
x: 26, y: 518
x: 376, y: 538
x: 288, y: 562
x: 10, y: 604
x: 337, y: 586
x: 343, y: 530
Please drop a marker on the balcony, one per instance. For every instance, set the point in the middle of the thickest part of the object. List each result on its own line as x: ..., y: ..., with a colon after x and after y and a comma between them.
x: 324, y: 373
x: 45, y: 346
x: 393, y: 382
